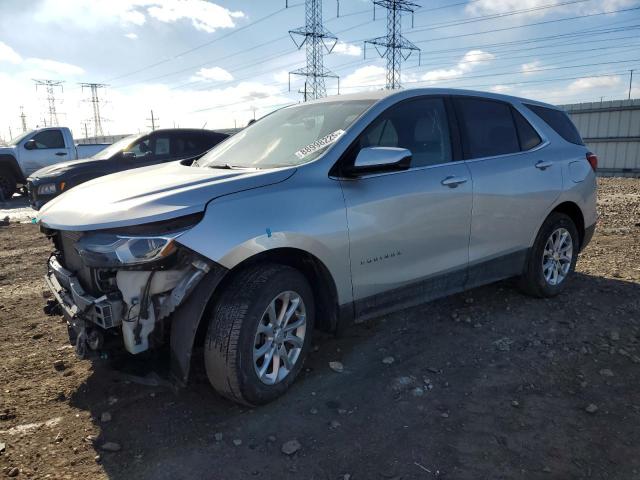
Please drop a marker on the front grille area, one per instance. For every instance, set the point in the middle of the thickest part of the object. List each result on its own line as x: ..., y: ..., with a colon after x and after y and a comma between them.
x: 72, y: 261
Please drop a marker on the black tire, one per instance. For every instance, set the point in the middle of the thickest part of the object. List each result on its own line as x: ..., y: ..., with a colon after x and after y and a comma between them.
x: 8, y: 184
x: 533, y: 281
x: 230, y: 340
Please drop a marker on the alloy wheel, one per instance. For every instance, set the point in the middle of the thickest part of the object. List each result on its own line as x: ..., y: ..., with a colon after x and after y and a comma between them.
x: 279, y: 337
x: 557, y: 256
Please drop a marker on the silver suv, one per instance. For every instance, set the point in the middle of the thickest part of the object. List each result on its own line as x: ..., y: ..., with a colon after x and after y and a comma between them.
x: 334, y: 210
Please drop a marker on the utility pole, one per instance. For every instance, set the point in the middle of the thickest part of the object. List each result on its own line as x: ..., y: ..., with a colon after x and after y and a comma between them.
x: 23, y: 119
x: 393, y: 46
x: 86, y: 133
x: 630, y: 82
x: 317, y: 40
x: 95, y: 102
x: 50, y: 85
x: 153, y: 121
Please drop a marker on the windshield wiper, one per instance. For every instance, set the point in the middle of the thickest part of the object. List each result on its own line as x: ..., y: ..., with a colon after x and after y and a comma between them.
x: 226, y: 165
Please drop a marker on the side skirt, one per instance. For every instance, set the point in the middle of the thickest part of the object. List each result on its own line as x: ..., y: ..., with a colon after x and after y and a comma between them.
x: 431, y: 288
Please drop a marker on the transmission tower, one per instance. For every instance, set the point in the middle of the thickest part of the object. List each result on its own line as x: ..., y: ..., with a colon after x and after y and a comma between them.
x: 23, y: 119
x: 394, y: 46
x: 95, y: 102
x: 317, y: 39
x: 50, y: 85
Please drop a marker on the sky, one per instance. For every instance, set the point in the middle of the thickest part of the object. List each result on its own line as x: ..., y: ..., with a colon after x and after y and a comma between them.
x: 218, y: 63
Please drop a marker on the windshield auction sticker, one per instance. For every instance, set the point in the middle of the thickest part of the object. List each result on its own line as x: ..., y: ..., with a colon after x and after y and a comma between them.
x: 319, y: 144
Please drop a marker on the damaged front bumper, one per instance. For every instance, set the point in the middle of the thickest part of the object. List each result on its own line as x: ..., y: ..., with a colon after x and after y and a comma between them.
x: 135, y: 312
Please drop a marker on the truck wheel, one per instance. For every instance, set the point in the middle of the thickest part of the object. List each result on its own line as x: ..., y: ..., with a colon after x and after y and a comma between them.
x: 259, y: 334
x: 7, y: 184
x: 553, y: 257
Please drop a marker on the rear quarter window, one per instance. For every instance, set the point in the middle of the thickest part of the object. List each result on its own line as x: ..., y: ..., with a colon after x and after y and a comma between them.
x: 559, y: 121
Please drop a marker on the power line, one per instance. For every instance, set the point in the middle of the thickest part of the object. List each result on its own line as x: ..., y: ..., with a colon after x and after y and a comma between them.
x: 205, y: 44
x: 316, y: 39
x: 396, y: 47
x: 494, y: 30
x: 538, y: 39
x: 496, y: 74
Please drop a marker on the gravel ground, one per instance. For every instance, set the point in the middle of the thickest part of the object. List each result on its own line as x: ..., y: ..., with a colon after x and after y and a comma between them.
x: 486, y: 384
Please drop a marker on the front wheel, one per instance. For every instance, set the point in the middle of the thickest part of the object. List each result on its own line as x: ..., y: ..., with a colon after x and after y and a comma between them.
x: 7, y: 184
x: 259, y: 334
x: 552, y: 259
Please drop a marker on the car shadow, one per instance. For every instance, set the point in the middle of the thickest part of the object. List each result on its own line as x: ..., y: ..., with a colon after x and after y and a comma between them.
x: 381, y: 418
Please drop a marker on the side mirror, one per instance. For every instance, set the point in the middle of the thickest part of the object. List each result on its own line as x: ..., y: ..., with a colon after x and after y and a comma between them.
x: 127, y: 155
x: 30, y: 144
x: 380, y: 159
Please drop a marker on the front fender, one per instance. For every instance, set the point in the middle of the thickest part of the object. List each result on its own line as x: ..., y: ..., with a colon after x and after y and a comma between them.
x: 186, y: 319
x: 302, y: 213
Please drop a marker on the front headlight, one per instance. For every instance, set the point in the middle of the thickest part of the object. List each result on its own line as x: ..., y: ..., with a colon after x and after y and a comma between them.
x: 110, y: 250
x: 47, y: 189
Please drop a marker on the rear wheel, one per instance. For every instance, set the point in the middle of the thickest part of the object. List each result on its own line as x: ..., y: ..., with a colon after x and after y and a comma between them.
x: 553, y: 257
x: 259, y: 334
x: 7, y: 184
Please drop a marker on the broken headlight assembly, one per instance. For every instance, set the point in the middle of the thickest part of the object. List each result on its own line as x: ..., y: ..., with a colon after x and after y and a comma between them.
x: 108, y: 250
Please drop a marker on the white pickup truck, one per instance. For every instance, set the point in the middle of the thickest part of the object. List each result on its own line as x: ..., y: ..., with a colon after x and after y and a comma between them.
x: 36, y: 149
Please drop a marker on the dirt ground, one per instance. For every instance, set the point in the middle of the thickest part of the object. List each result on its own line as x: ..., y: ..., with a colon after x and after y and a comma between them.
x: 489, y: 384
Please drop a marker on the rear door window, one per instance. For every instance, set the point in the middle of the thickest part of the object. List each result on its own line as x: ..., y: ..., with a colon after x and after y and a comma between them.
x: 488, y: 127
x: 559, y: 121
x: 49, y: 139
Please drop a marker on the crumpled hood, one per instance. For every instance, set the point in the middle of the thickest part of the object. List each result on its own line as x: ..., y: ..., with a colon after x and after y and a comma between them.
x: 149, y: 194
x: 63, y: 167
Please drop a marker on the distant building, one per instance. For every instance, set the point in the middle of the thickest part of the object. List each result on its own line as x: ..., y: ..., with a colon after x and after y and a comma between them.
x: 611, y: 130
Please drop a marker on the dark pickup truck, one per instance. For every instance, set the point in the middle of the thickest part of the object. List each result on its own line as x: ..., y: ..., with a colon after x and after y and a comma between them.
x: 135, y: 151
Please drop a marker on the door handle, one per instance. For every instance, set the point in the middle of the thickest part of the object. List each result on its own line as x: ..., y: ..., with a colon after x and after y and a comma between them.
x: 542, y: 165
x: 453, y: 182
x: 61, y: 154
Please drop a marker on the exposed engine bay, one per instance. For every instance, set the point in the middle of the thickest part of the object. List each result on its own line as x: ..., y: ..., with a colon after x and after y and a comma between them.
x: 114, y: 305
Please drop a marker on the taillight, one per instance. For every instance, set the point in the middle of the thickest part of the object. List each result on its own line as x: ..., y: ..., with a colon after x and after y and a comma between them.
x: 592, y: 158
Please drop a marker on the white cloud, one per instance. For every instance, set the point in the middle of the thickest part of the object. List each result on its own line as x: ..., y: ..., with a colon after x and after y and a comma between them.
x: 53, y: 67
x: 204, y: 15
x: 591, y: 83
x: 8, y: 54
x: 531, y: 67
x: 467, y: 63
x: 489, y: 7
x: 371, y: 76
x: 500, y: 88
x: 281, y: 77
x: 131, y: 36
x: 216, y: 74
x: 37, y: 66
x: 344, y: 48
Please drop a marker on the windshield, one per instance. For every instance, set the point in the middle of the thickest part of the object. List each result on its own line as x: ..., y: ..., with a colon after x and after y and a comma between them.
x: 290, y: 136
x: 19, y: 138
x: 114, y: 148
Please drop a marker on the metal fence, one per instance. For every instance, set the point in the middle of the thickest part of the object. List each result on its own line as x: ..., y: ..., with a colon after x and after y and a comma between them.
x: 611, y: 130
